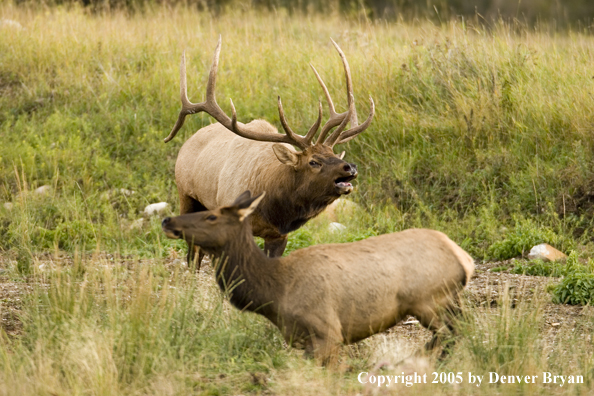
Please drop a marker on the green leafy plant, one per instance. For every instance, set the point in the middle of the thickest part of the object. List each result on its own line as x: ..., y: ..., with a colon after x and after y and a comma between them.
x: 575, y: 289
x: 554, y: 269
x: 525, y: 235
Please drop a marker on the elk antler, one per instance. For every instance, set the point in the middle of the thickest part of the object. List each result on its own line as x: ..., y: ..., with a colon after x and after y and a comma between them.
x: 211, y: 107
x: 336, y: 119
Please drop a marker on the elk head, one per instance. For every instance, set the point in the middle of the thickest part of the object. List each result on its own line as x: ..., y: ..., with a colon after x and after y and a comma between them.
x: 332, y: 173
x: 212, y: 229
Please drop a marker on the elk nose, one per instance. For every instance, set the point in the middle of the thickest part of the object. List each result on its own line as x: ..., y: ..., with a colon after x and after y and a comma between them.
x: 352, y: 169
x: 165, y: 221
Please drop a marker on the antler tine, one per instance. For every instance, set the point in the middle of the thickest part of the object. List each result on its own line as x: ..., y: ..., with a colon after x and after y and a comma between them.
x: 212, y: 76
x: 295, y: 139
x: 335, y: 118
x: 314, y: 128
x: 353, y: 132
x: 331, y: 141
x: 209, y: 105
x: 349, y: 85
x: 184, y: 99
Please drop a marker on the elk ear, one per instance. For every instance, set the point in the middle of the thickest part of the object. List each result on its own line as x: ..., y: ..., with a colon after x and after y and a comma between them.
x: 243, y: 197
x: 285, y: 155
x: 248, y: 206
x: 341, y: 156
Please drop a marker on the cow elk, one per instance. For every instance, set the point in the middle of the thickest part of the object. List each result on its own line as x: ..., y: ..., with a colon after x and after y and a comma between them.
x: 223, y: 159
x: 325, y: 295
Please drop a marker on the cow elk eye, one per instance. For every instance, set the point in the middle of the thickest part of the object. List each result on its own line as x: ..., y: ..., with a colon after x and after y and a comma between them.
x: 211, y: 218
x: 314, y: 163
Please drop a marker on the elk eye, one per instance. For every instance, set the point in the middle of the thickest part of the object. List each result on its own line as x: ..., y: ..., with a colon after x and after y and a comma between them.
x: 211, y: 218
x: 313, y: 163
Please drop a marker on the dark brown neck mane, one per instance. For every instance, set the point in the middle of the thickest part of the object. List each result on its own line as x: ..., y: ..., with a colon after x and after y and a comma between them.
x: 292, y: 205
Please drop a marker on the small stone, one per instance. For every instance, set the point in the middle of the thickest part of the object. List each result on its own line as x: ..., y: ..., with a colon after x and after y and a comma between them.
x: 8, y: 205
x: 43, y: 190
x: 336, y: 227
x: 410, y: 322
x: 546, y: 252
x: 156, y: 208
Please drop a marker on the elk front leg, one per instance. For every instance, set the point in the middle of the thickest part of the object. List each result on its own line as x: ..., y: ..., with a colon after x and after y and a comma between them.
x: 275, y: 247
x: 188, y: 204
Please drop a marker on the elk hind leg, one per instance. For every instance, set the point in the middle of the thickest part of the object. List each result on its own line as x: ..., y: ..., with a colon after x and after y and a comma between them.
x: 438, y: 319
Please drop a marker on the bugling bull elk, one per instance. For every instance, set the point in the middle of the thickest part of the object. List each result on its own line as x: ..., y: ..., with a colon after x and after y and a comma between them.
x: 221, y: 160
x: 324, y: 295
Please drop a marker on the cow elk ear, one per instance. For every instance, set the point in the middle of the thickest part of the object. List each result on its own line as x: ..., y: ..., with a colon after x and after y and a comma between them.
x: 341, y: 156
x: 285, y: 155
x: 243, y: 213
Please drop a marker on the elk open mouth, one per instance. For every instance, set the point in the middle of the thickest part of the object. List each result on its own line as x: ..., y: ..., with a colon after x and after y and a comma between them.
x: 343, y: 182
x: 173, y: 234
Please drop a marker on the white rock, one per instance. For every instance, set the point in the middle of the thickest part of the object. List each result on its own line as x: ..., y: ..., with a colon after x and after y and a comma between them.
x: 546, y: 252
x: 43, y: 190
x: 156, y: 208
x: 336, y: 227
x: 9, y: 23
x: 8, y: 205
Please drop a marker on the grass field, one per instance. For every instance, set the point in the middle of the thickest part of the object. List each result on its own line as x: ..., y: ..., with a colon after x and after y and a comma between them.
x: 483, y: 133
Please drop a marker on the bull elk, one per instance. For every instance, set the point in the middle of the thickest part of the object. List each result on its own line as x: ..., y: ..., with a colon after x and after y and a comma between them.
x: 324, y: 295
x: 223, y: 159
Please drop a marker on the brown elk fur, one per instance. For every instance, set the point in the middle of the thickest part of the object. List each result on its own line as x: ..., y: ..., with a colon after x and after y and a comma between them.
x: 221, y: 160
x: 325, y: 295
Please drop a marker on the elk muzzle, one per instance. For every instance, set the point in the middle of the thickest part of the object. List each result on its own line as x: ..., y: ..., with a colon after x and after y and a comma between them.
x: 342, y: 184
x: 168, y: 229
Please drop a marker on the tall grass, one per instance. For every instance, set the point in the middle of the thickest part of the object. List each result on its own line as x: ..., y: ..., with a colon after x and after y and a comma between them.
x: 106, y: 326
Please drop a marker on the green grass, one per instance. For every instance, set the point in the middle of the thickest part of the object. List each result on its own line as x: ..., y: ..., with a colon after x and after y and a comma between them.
x: 482, y: 134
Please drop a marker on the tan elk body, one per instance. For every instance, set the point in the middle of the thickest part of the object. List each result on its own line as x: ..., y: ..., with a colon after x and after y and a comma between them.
x: 221, y: 160
x: 325, y: 295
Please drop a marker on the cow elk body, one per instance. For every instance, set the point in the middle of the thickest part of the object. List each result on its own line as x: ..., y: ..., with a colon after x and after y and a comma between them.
x: 226, y: 158
x: 325, y: 295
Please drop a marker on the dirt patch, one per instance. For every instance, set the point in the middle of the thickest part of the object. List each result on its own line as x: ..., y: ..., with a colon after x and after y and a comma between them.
x: 11, y: 297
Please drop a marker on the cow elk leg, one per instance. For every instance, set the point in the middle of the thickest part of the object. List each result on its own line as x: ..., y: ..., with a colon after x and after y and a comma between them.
x: 274, y: 247
x: 440, y: 322
x: 324, y: 348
